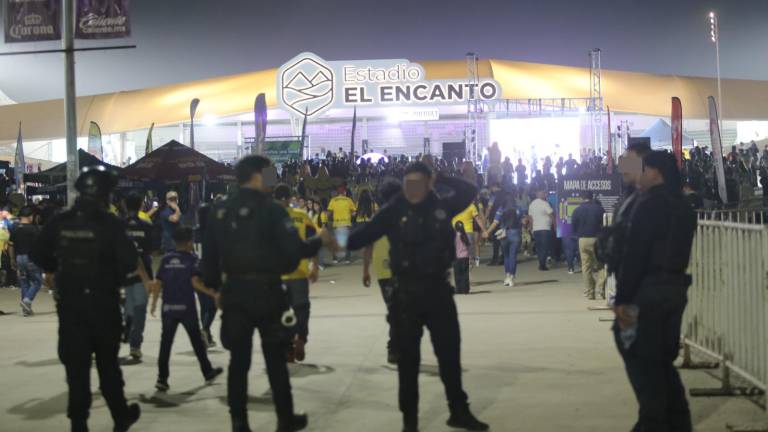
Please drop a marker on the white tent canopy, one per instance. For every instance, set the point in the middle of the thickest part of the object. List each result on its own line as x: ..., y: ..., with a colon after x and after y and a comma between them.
x: 660, y: 134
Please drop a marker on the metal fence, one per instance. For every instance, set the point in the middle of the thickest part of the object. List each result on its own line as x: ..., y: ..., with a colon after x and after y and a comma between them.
x: 747, y: 216
x: 727, y: 315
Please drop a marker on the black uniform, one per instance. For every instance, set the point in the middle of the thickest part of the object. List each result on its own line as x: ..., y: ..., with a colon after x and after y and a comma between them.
x: 251, y: 239
x: 652, y: 277
x: 422, y: 249
x: 90, y: 253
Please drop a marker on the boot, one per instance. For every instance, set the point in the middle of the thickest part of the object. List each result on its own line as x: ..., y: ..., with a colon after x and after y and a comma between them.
x: 410, y: 424
x: 240, y: 424
x: 297, y: 423
x: 132, y: 416
x: 463, y: 419
x: 79, y: 425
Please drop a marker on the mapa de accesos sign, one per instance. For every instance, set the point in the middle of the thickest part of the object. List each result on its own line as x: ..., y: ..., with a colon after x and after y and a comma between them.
x: 308, y: 84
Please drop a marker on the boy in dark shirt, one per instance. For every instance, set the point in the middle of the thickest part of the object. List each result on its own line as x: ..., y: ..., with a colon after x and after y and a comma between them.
x: 178, y: 279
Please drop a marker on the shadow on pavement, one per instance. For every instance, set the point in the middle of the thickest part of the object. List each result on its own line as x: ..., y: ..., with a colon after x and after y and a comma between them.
x: 427, y: 370
x: 303, y: 370
x: 38, y: 363
x: 42, y: 409
x: 256, y: 403
x: 172, y: 400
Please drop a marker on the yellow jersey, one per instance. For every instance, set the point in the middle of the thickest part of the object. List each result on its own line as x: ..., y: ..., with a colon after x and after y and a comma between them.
x: 301, y: 221
x: 342, y: 208
x: 381, y: 259
x: 467, y: 217
x: 144, y: 216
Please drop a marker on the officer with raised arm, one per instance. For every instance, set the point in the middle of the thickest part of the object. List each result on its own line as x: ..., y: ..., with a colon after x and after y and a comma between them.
x: 86, y: 255
x: 249, y: 243
x: 417, y: 223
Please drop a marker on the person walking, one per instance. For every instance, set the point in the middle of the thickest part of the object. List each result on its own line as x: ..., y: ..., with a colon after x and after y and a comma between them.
x: 136, y: 296
x: 508, y: 218
x: 30, y: 276
x: 378, y: 255
x: 252, y: 240
x: 651, y: 295
x: 461, y: 263
x: 542, y: 219
x: 341, y: 211
x: 177, y: 279
x: 85, y: 254
x: 297, y: 282
x: 587, y: 221
x: 418, y: 224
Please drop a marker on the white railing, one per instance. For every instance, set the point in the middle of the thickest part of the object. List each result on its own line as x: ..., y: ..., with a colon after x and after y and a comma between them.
x: 727, y: 315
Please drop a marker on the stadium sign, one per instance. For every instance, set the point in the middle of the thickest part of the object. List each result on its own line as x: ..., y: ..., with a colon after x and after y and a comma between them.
x: 309, y: 85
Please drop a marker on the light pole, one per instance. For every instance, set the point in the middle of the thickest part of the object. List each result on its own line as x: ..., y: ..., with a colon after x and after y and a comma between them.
x: 714, y: 33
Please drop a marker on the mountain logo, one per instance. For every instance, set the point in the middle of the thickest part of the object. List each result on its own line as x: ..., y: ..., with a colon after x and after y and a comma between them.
x: 306, y: 85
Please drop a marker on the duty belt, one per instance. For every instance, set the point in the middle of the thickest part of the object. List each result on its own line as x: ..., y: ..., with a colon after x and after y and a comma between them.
x: 253, y: 277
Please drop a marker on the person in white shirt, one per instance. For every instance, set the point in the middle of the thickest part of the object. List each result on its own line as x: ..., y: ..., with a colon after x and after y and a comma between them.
x: 541, y: 214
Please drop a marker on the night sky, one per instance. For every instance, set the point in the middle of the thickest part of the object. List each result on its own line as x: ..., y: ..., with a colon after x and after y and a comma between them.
x: 182, y: 40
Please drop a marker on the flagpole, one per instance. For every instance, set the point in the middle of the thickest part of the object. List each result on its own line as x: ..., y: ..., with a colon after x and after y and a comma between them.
x: 70, y: 101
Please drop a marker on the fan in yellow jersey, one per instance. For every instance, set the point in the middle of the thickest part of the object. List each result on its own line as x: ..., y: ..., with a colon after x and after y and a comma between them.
x: 297, y: 283
x: 341, y: 210
x: 467, y: 217
x: 378, y: 254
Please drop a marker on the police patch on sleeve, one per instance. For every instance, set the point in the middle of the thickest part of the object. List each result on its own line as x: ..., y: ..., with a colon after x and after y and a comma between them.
x: 440, y: 214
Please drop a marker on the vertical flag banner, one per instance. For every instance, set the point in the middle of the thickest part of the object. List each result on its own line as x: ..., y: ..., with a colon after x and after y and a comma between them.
x: 148, y: 148
x: 304, y: 130
x: 260, y: 118
x: 352, y: 144
x: 32, y: 20
x: 20, y: 163
x: 94, y: 141
x: 609, y: 169
x: 677, y: 131
x: 717, y: 150
x: 102, y: 19
x: 192, y: 110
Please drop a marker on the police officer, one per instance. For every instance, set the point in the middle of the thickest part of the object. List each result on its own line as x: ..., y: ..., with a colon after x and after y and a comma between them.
x: 611, y: 242
x: 249, y: 243
x: 651, y: 294
x: 417, y: 223
x: 86, y: 254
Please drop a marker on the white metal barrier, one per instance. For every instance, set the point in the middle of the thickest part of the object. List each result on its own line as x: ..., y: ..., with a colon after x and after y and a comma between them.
x: 727, y: 314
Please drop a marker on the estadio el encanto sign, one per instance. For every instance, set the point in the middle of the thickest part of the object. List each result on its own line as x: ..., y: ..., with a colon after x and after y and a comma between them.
x: 309, y: 85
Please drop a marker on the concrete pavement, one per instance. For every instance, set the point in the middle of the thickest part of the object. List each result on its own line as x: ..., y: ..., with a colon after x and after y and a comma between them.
x: 535, y: 360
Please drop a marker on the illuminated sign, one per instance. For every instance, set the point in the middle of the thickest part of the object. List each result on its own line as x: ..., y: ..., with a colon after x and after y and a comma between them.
x: 308, y: 84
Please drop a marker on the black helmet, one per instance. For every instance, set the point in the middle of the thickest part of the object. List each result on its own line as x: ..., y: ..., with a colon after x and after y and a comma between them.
x: 96, y: 182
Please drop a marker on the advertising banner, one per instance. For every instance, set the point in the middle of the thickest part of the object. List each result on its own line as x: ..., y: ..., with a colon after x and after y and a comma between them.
x: 283, y: 151
x: 94, y: 141
x: 606, y: 189
x: 260, y: 116
x: 677, y: 131
x: 102, y: 19
x: 20, y: 164
x: 717, y: 149
x: 32, y: 20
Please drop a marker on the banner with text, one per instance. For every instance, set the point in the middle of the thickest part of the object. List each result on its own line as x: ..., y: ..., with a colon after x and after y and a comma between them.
x: 606, y: 189
x: 282, y: 151
x: 102, y: 19
x: 32, y: 20
x: 308, y: 84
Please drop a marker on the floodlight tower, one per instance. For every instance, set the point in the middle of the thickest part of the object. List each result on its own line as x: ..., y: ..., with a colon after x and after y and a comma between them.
x: 714, y: 35
x: 596, y: 100
x: 472, y: 108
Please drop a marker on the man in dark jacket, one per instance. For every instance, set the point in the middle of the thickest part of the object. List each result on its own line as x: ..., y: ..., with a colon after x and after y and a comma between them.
x: 86, y: 254
x: 587, y: 220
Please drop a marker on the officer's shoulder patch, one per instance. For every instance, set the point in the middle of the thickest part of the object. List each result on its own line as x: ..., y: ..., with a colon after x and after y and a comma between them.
x: 244, y: 211
x: 440, y: 214
x: 221, y: 213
